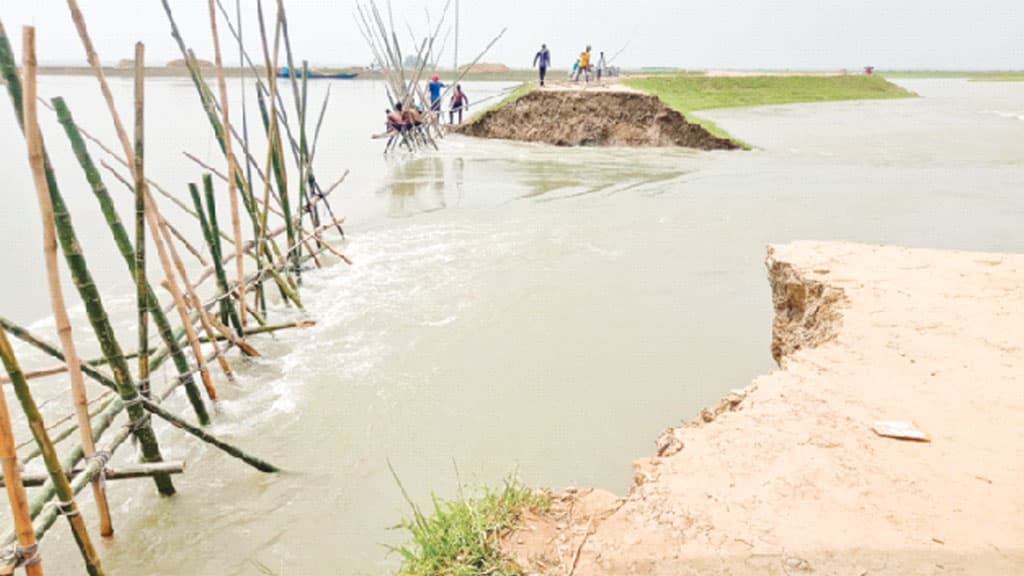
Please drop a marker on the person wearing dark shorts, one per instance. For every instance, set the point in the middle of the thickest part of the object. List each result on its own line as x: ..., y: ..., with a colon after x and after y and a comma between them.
x: 543, y: 58
x: 459, y: 103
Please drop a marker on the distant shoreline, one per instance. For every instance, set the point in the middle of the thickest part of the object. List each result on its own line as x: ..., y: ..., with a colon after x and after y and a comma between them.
x: 522, y: 75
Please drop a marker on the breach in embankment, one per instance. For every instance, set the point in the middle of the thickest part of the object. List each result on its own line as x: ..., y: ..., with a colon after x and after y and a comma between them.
x: 619, y: 117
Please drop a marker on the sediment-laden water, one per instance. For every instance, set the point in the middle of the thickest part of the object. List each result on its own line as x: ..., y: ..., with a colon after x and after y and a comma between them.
x: 512, y: 307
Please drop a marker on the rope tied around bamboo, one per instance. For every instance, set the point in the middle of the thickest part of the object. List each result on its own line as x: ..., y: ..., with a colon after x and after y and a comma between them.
x: 16, y: 556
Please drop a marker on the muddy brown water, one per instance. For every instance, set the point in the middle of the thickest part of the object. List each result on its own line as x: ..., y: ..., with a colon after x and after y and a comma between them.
x: 513, y: 307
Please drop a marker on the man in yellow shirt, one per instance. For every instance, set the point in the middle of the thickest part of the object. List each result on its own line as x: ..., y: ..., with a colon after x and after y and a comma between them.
x: 584, y: 65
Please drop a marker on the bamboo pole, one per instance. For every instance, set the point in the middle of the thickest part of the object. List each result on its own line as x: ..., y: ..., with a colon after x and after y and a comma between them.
x: 152, y: 214
x: 210, y: 233
x: 228, y: 313
x: 124, y: 245
x: 126, y: 472
x: 141, y: 283
x: 34, y: 142
x: 236, y: 225
x: 27, y: 551
x: 273, y: 136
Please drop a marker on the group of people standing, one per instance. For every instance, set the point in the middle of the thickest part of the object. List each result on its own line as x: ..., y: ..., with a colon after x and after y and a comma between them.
x: 408, y: 118
x: 458, y: 103
x: 582, y: 67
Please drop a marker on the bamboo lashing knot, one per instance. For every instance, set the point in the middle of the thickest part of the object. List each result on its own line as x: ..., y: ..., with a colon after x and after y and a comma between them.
x: 63, y: 508
x: 139, y: 424
x: 133, y: 402
x: 18, y: 556
x: 103, y: 457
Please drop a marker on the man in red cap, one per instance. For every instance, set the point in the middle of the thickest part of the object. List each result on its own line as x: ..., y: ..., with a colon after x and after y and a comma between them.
x: 435, y: 93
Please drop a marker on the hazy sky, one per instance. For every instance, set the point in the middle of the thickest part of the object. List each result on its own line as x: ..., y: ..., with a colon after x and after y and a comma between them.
x: 680, y: 33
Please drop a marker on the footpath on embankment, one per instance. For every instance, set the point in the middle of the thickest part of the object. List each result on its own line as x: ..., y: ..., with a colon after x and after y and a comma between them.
x: 786, y: 476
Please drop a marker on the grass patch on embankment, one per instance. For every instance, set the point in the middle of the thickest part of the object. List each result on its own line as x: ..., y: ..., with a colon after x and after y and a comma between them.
x: 689, y: 93
x: 516, y: 94
x: 462, y: 537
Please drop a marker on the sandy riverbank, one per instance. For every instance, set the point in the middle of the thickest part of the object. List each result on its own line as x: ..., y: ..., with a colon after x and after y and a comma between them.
x: 786, y: 475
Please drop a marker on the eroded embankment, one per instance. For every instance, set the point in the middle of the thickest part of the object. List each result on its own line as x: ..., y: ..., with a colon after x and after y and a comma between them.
x: 593, y: 118
x: 787, y: 477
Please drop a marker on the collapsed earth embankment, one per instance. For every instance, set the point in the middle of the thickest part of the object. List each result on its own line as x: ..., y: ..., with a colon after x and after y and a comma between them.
x: 593, y: 118
x: 787, y: 476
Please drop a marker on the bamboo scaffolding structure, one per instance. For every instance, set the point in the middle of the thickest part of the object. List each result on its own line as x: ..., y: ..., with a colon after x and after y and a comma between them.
x: 210, y: 107
x: 82, y: 463
x: 71, y: 248
x: 263, y: 91
x: 152, y: 214
x: 34, y: 142
x: 27, y: 552
x: 127, y: 251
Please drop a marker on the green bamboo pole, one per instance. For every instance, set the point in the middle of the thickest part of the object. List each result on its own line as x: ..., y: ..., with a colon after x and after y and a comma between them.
x: 142, y: 302
x: 82, y: 278
x: 212, y: 242
x: 36, y: 156
x: 280, y: 172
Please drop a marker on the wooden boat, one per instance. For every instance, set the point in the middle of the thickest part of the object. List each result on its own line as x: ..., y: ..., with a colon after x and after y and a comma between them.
x: 283, y: 73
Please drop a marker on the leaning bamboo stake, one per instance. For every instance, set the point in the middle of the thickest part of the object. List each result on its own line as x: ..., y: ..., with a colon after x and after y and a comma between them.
x: 34, y: 142
x: 127, y: 251
x: 27, y: 553
x: 236, y: 225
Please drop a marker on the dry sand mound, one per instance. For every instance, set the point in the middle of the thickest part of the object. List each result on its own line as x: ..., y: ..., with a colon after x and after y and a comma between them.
x: 581, y: 118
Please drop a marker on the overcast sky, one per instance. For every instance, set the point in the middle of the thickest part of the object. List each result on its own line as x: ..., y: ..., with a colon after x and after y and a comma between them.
x: 820, y: 34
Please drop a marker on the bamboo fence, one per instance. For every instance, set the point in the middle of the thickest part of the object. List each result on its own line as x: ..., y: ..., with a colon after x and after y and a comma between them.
x: 211, y: 320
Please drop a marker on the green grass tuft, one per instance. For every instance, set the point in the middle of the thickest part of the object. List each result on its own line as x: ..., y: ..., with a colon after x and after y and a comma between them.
x: 688, y: 93
x: 461, y: 537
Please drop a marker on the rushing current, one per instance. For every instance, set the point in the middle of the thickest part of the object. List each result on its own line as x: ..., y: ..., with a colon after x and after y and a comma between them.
x: 512, y: 308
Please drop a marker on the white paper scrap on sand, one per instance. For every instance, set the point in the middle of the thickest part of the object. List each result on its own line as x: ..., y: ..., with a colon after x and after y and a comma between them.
x: 900, y: 430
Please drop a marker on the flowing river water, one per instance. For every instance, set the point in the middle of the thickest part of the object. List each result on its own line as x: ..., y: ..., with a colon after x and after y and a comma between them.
x: 512, y: 307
